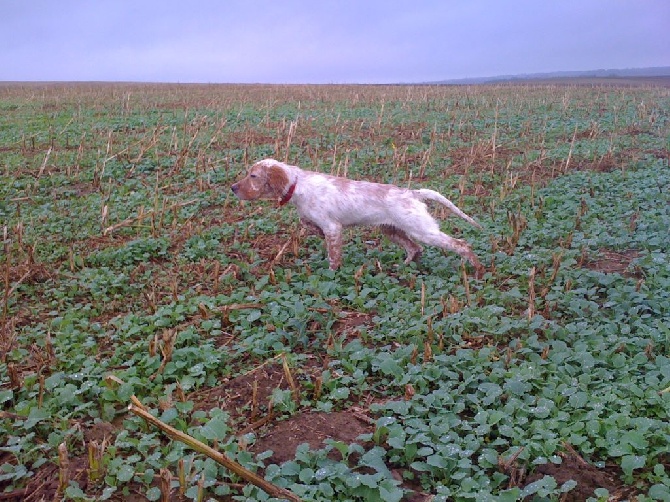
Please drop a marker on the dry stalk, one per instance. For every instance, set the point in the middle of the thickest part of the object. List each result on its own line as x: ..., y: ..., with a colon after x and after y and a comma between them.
x: 380, y: 117
x: 201, y: 488
x: 427, y: 352
x: 318, y: 386
x: 11, y: 290
x: 425, y: 159
x: 104, y: 213
x: 138, y: 409
x: 44, y: 163
x: 112, y: 381
x: 466, y: 283
x: 531, y: 294
x: 291, y: 382
x: 80, y: 153
x: 63, y: 471
x: 357, y: 277
x: 263, y: 364
x: 185, y: 475
x: 40, y: 394
x: 278, y: 256
x: 495, y: 133
x: 226, y: 309
x: 217, y: 274
x: 518, y: 223
x: 572, y: 146
x: 508, y: 466
x: 333, y: 171
x: 19, y: 233
x: 204, y: 311
x: 461, y: 188
x: 556, y: 257
x: 166, y: 347
x: 96, y: 453
x: 254, y: 401
x: 400, y: 158
x: 181, y: 396
x: 583, y: 207
x: 183, y: 153
x: 71, y: 259
x: 130, y: 221
x: 144, y: 148
x: 5, y: 303
x: 450, y: 306
x: 293, y: 125
x: 153, y: 345
x: 260, y: 423
x: 165, y: 484
x: 429, y: 329
x: 97, y: 176
x: 423, y: 297
x: 181, y: 474
x: 345, y: 172
x: 14, y: 377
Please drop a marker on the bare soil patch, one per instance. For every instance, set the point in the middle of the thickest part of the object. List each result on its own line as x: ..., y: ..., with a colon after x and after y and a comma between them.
x: 312, y: 428
x: 587, y: 477
x: 247, y: 397
x: 614, y: 262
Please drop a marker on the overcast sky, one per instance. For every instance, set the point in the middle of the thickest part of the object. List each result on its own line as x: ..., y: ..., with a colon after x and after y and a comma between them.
x: 324, y: 41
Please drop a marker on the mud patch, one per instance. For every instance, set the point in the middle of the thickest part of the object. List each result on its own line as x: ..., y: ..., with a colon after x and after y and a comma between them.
x: 613, y: 262
x: 587, y: 477
x: 247, y: 398
x: 312, y: 428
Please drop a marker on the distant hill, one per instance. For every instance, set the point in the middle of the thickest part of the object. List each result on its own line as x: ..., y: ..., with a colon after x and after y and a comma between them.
x: 659, y: 71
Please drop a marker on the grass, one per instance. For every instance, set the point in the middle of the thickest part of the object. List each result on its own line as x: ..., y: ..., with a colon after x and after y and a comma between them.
x: 128, y: 269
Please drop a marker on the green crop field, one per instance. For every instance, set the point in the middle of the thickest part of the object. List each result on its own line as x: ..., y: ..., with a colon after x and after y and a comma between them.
x: 132, y: 277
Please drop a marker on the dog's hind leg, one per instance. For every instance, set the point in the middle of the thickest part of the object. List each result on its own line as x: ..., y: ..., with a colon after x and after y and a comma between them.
x: 444, y: 241
x: 399, y: 237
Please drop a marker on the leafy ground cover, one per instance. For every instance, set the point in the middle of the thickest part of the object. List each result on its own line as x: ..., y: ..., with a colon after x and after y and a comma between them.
x: 128, y: 269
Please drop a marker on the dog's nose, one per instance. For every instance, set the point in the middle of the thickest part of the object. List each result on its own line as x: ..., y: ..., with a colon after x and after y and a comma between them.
x: 234, y: 188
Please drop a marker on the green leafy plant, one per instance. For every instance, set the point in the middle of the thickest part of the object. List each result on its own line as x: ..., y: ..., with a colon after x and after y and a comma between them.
x: 129, y: 268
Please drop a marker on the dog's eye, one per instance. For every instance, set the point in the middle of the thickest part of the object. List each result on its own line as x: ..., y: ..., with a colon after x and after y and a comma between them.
x: 253, y: 176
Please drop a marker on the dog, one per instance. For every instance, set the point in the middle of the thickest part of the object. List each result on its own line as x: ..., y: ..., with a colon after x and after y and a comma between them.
x: 328, y: 203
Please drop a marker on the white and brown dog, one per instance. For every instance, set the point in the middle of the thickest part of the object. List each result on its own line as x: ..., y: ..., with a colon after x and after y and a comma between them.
x: 331, y: 203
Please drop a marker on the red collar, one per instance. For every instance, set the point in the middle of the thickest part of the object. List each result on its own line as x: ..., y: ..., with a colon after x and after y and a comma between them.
x: 287, y: 196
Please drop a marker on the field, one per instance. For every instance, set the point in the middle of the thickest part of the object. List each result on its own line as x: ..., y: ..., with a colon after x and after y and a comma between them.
x: 131, y: 274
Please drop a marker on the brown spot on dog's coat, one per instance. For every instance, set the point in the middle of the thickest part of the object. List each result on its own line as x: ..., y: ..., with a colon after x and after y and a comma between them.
x: 277, y: 180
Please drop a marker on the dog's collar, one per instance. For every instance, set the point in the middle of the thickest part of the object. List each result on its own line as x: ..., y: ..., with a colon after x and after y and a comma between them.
x: 287, y: 196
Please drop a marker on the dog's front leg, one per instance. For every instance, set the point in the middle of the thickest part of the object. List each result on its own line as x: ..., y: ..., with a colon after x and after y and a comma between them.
x: 334, y: 246
x: 312, y: 228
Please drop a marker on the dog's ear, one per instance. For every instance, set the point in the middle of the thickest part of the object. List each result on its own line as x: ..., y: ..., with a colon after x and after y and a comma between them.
x: 277, y: 180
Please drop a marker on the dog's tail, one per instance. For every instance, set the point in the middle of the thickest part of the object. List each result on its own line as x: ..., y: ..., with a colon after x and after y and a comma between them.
x: 428, y: 194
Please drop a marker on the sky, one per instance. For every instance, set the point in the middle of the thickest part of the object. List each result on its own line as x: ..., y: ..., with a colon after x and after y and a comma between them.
x: 324, y: 41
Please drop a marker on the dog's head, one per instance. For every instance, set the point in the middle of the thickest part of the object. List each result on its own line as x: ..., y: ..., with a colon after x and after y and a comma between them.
x: 266, y: 179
